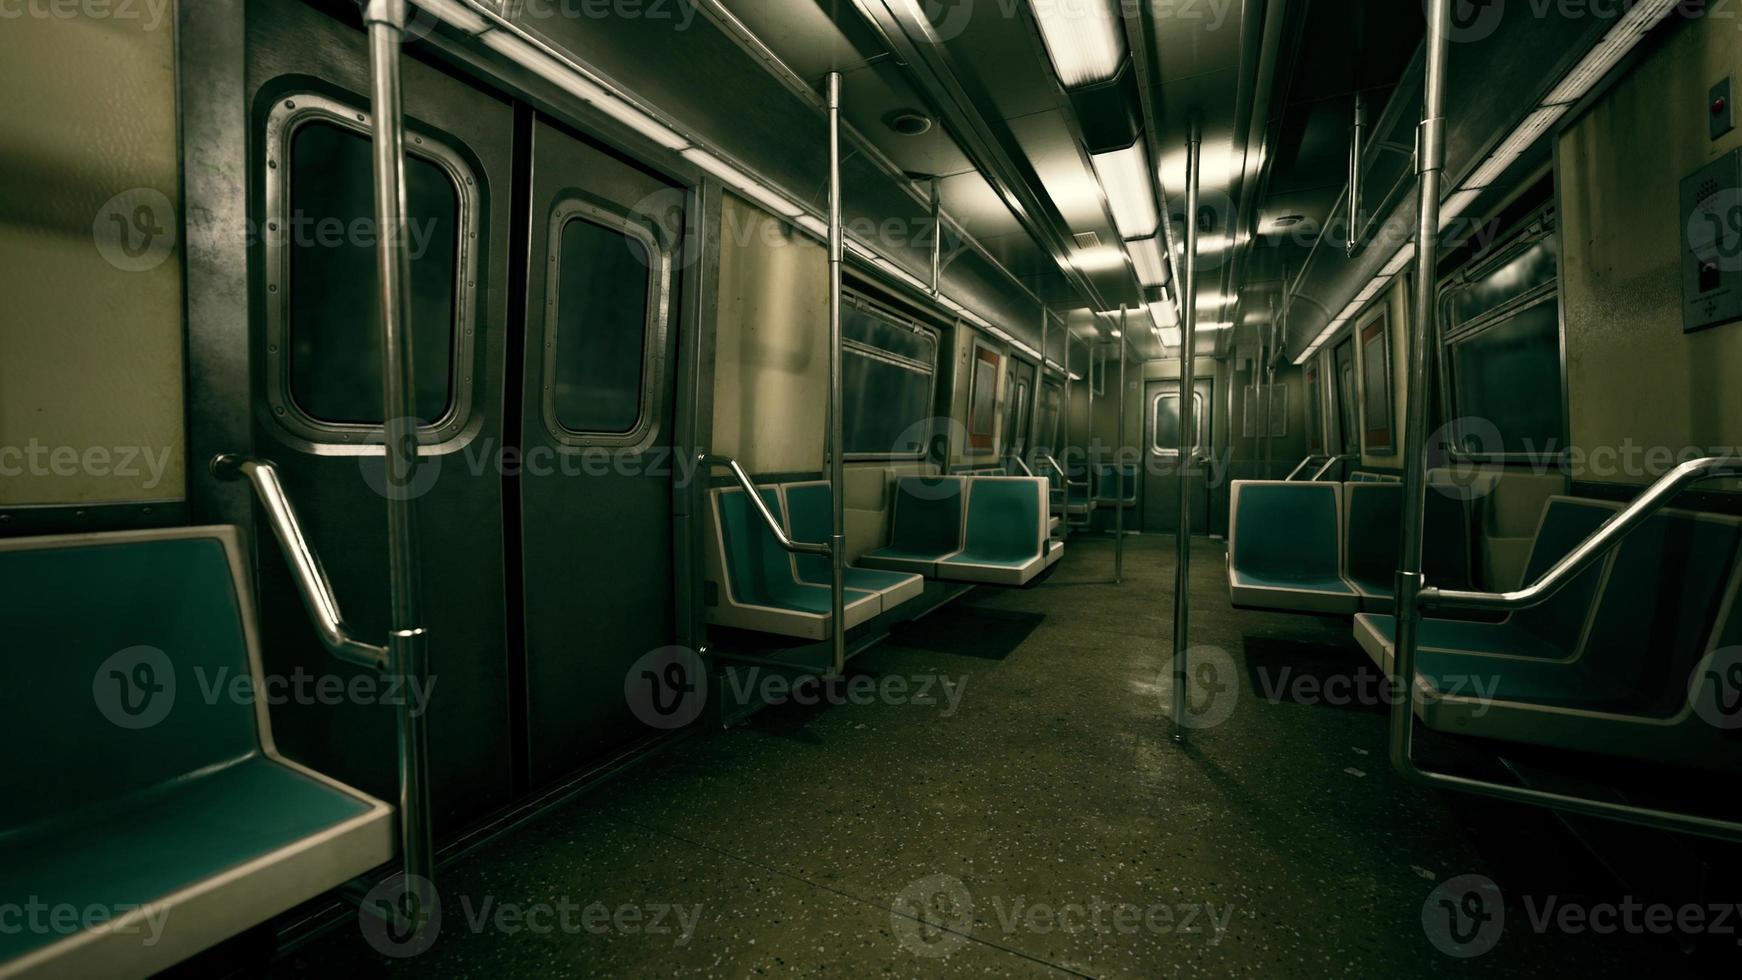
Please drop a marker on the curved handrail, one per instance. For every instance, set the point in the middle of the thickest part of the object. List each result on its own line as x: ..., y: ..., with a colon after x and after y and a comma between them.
x: 1330, y: 461
x: 1303, y: 464
x: 750, y: 490
x: 305, y: 566
x: 1591, y: 550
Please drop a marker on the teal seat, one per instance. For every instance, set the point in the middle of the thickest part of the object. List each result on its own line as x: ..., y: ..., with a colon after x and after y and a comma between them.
x: 1665, y: 608
x: 1006, y: 538
x: 1373, y: 522
x: 1285, y: 545
x: 759, y: 588
x: 1551, y: 631
x: 810, y: 519
x: 1116, y: 484
x: 925, y: 525
x: 142, y: 780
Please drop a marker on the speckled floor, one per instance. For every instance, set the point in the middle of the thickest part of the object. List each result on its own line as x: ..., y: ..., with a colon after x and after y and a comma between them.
x: 1031, y: 818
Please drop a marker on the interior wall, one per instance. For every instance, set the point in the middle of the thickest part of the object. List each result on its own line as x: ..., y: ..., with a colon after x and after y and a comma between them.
x: 771, y: 346
x: 91, y: 334
x: 1633, y: 378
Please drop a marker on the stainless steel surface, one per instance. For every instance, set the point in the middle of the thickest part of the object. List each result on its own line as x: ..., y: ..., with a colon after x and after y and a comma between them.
x: 1303, y: 464
x: 1182, y: 575
x: 408, y: 643
x: 1591, y: 550
x: 305, y: 566
x: 1330, y: 461
x: 1353, y: 242
x: 837, y: 458
x: 1409, y: 577
x: 768, y: 519
x: 1119, y: 456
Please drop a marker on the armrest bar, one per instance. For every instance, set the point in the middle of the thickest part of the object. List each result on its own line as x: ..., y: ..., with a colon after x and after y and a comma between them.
x: 305, y: 565
x: 1303, y: 464
x: 795, y: 547
x: 1330, y: 461
x: 1591, y: 550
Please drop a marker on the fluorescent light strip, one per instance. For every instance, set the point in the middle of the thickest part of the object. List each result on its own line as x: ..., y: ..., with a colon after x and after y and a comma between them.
x: 1164, y: 313
x: 1146, y: 257
x: 1171, y: 337
x: 1504, y: 156
x: 1124, y: 176
x: 741, y: 182
x: 457, y: 14
x: 1083, y: 37
x: 1614, y: 46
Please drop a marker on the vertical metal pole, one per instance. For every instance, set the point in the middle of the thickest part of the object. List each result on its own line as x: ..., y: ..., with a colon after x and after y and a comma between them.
x: 837, y: 468
x: 937, y: 239
x: 1034, y: 443
x: 1430, y: 162
x: 1088, y: 446
x: 1119, y: 456
x: 407, y: 642
x: 1182, y: 575
x: 1355, y: 151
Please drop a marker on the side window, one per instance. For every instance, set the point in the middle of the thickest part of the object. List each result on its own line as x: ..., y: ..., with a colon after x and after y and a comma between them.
x: 1051, y: 395
x: 1016, y: 418
x: 1502, y: 360
x: 1315, y: 408
x: 323, y: 322
x: 1165, y: 423
x: 602, y: 292
x: 888, y: 371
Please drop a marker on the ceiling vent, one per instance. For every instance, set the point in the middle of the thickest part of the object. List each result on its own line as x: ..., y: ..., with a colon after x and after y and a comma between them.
x: 908, y: 122
x: 1087, y: 239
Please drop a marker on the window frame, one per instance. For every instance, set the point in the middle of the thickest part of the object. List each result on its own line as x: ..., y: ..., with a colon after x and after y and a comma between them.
x: 1532, y: 231
x: 871, y: 307
x: 984, y: 443
x: 571, y: 207
x: 1200, y: 423
x: 290, y: 113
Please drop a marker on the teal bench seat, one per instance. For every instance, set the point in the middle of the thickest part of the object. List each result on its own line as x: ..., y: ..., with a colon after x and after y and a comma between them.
x: 810, y: 519
x: 758, y: 587
x: 1005, y: 542
x: 1372, y: 529
x: 1285, y: 547
x: 925, y: 525
x: 1664, y: 609
x: 1554, y: 630
x: 142, y: 781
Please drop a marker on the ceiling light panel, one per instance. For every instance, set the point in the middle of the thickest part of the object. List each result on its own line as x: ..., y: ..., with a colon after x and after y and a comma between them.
x: 1146, y: 255
x: 1124, y: 176
x: 1083, y: 37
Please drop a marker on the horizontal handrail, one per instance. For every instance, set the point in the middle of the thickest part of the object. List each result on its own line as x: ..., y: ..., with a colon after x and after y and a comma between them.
x: 1591, y: 550
x: 750, y: 490
x: 1303, y: 464
x: 305, y: 566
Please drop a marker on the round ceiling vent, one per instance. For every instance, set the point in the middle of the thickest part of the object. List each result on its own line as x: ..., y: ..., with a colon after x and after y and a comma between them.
x: 1289, y: 220
x: 908, y: 122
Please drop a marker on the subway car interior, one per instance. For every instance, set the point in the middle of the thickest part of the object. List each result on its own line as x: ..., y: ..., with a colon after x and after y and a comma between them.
x: 654, y: 488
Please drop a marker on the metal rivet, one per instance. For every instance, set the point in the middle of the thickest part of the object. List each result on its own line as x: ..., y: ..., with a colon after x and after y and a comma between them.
x: 271, y: 348
x: 272, y: 287
x: 278, y: 410
x: 288, y: 104
x: 272, y: 164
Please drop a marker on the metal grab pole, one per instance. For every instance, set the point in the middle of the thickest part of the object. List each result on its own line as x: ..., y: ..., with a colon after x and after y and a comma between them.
x: 1430, y: 161
x: 1182, y: 574
x: 407, y: 642
x: 837, y: 469
x: 1119, y: 457
x: 1034, y: 444
x: 1353, y: 239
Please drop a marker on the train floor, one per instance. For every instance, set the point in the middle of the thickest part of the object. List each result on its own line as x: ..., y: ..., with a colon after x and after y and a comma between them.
x: 1014, y: 806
